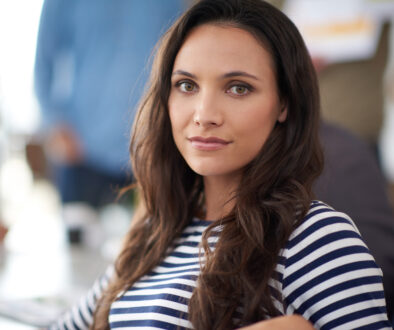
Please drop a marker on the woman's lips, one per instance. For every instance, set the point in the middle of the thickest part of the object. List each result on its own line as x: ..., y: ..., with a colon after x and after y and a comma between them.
x: 208, y: 144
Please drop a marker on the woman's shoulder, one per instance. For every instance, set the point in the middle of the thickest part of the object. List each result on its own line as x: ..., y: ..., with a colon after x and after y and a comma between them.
x: 326, y: 272
x: 319, y: 210
x: 321, y: 221
x: 323, y: 231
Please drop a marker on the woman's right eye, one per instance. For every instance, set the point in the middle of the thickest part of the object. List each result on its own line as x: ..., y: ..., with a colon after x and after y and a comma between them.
x: 186, y: 86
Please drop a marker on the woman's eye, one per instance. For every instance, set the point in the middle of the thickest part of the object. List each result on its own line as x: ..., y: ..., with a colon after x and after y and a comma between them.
x: 186, y: 87
x: 239, y: 90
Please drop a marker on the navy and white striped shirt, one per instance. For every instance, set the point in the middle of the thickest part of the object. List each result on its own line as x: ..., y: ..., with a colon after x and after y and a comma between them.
x: 325, y: 273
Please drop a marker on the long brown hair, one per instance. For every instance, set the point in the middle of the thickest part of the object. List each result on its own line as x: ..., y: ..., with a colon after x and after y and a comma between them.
x: 271, y: 200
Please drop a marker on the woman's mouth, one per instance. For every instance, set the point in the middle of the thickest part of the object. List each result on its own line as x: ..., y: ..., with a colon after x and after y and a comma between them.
x: 208, y: 143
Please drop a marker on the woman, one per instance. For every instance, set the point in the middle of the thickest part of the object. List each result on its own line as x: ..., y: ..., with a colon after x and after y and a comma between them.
x: 225, y: 151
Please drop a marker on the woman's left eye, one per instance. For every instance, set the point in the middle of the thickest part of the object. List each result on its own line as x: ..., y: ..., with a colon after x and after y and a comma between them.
x: 238, y: 90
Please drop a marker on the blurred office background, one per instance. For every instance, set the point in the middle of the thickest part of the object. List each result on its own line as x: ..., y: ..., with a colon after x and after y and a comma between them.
x: 40, y: 263
x: 55, y: 239
x: 36, y: 261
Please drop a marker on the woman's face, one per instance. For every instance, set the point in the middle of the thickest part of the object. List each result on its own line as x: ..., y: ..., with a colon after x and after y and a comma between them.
x: 224, y: 101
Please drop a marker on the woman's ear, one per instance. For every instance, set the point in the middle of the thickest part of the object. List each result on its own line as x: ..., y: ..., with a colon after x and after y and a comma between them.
x: 283, y: 114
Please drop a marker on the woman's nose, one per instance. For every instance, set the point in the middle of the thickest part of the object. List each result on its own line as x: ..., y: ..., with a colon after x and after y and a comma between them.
x: 207, y: 110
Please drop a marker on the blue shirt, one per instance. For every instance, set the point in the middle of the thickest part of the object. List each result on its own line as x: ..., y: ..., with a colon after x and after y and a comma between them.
x: 92, y: 63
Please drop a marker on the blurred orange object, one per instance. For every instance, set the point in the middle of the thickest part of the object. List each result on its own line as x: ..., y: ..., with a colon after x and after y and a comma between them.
x: 3, y: 232
x: 63, y: 146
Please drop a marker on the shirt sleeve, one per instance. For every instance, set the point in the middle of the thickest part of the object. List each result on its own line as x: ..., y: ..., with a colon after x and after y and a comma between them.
x: 330, y: 276
x: 53, y: 43
x: 80, y: 317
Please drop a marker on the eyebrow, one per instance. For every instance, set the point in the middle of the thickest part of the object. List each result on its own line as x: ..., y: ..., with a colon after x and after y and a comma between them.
x: 184, y: 73
x: 239, y: 73
x: 226, y: 75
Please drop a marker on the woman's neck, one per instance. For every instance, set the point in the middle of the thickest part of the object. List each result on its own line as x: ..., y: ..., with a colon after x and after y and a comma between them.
x: 219, y: 196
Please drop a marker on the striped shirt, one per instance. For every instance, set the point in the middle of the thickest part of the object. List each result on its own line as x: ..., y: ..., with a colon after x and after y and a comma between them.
x: 325, y: 273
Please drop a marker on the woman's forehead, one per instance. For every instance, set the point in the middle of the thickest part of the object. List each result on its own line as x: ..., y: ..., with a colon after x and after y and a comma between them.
x: 222, y: 46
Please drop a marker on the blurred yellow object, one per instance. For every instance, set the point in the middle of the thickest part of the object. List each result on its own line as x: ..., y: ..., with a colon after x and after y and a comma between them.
x: 352, y: 28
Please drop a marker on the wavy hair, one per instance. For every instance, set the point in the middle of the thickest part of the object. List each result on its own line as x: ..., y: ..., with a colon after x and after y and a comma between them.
x: 275, y: 190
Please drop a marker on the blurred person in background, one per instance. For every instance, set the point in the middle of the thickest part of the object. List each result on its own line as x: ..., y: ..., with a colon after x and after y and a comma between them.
x: 91, y: 65
x: 353, y: 183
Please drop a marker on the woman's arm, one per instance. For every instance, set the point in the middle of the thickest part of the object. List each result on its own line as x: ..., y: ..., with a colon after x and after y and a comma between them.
x: 294, y: 322
x: 81, y: 315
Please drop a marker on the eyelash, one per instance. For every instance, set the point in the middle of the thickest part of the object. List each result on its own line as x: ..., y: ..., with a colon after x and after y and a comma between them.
x: 247, y: 87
